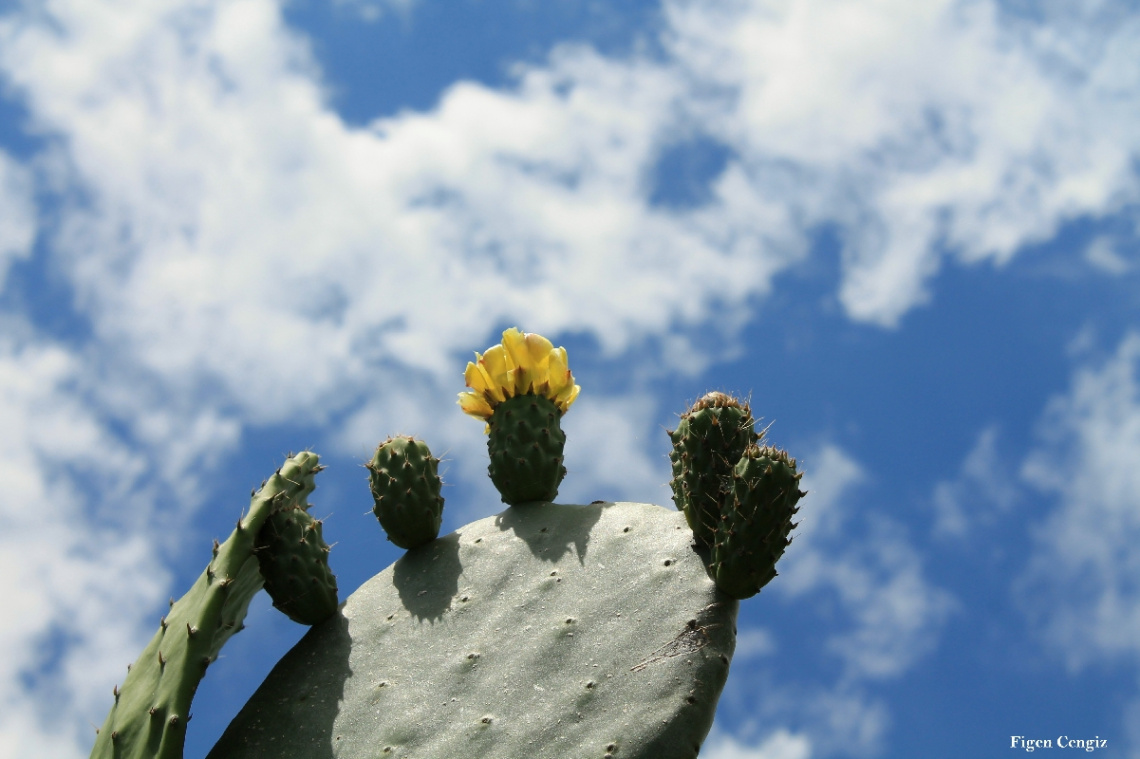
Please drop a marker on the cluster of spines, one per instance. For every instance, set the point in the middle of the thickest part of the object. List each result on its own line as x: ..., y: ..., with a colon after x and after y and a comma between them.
x: 755, y: 527
x: 708, y: 441
x: 738, y: 496
x: 405, y: 483
x: 150, y: 711
x: 525, y: 443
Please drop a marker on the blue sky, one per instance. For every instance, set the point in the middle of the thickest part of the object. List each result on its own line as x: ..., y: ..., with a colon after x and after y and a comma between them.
x: 910, y: 232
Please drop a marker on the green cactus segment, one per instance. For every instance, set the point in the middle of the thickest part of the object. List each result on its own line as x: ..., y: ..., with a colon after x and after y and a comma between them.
x: 151, y: 709
x: 551, y: 631
x: 710, y: 438
x: 294, y: 561
x: 525, y: 442
x: 406, y: 489
x: 753, y: 534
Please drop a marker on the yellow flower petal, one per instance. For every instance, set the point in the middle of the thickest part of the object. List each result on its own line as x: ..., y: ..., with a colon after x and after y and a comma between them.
x: 538, y: 347
x: 514, y: 343
x: 475, y: 405
x: 479, y: 380
x: 558, y: 374
x: 566, y: 397
x: 497, y: 362
x: 523, y: 363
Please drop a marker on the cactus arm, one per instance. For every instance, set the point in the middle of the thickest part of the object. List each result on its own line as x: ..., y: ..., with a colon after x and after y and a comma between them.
x: 148, y: 718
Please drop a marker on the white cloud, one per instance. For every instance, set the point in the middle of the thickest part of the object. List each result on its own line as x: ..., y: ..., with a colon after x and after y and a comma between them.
x: 1080, y: 584
x: 1102, y: 253
x: 920, y: 127
x: 17, y: 214
x: 779, y: 745
x: 868, y: 564
x: 82, y: 574
x: 608, y: 456
x: 982, y: 490
x: 374, y: 10
x: 753, y: 643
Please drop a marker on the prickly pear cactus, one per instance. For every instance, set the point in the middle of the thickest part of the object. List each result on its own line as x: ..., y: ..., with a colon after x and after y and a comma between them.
x: 151, y: 709
x: 754, y: 531
x: 549, y: 630
x: 710, y: 438
x: 405, y: 487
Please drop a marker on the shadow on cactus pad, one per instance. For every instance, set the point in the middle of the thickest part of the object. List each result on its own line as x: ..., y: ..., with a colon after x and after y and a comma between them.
x: 619, y: 648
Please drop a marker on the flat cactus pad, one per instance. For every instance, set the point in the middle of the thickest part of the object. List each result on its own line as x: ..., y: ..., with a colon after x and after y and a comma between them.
x: 548, y: 630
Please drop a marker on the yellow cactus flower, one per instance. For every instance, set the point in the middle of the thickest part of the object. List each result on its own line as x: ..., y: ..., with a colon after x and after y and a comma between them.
x: 524, y: 363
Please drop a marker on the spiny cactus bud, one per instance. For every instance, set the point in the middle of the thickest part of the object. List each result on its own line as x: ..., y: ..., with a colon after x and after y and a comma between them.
x: 710, y: 438
x: 406, y: 488
x: 753, y: 533
x: 294, y: 561
x: 525, y: 444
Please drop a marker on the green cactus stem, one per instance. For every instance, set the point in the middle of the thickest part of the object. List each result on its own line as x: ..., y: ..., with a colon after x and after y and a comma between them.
x: 550, y: 631
x: 708, y: 441
x: 404, y: 479
x: 148, y: 718
x: 753, y: 533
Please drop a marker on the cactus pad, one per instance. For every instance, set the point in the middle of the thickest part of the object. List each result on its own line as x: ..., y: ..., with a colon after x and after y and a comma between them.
x: 525, y: 443
x: 708, y: 442
x: 405, y: 488
x: 754, y: 532
x: 550, y: 631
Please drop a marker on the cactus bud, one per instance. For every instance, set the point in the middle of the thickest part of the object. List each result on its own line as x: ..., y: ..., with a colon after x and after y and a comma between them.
x: 753, y: 533
x: 406, y: 489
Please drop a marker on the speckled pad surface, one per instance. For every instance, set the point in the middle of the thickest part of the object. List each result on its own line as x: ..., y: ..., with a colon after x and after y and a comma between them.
x: 549, y: 630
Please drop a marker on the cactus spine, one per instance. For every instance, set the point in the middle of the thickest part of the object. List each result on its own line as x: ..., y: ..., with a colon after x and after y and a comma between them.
x: 405, y: 485
x: 149, y: 715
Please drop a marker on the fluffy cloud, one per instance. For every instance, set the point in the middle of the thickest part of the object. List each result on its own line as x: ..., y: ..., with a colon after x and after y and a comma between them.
x: 878, y: 579
x: 921, y: 128
x: 982, y: 490
x: 779, y: 745
x: 82, y: 573
x: 1081, y: 585
x: 17, y: 214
